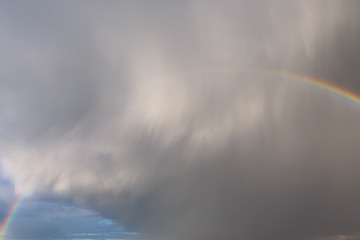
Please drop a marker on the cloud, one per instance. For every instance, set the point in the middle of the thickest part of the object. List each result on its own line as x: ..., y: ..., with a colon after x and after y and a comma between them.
x: 132, y: 110
x: 6, y: 196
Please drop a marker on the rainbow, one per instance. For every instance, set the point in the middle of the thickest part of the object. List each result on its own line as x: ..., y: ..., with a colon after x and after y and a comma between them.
x: 12, y: 211
x: 322, y: 84
x: 329, y: 87
x: 20, y: 196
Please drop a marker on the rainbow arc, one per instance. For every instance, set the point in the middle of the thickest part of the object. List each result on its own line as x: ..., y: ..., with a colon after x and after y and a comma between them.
x: 329, y: 87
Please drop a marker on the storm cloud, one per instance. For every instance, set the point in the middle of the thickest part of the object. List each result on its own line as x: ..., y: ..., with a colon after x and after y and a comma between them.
x: 156, y: 115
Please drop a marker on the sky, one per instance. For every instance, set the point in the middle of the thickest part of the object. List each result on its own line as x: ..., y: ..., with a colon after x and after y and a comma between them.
x: 179, y: 120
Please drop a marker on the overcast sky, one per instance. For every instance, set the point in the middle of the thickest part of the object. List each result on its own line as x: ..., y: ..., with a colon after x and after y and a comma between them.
x: 153, y: 119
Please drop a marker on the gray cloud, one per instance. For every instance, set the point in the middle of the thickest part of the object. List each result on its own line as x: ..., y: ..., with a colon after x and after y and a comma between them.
x: 142, y: 112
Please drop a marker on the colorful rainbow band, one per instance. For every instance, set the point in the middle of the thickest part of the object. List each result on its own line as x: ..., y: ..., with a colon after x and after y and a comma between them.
x: 332, y: 88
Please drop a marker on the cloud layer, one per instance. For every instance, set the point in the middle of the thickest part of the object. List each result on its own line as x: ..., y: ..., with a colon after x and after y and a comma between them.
x: 149, y: 114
